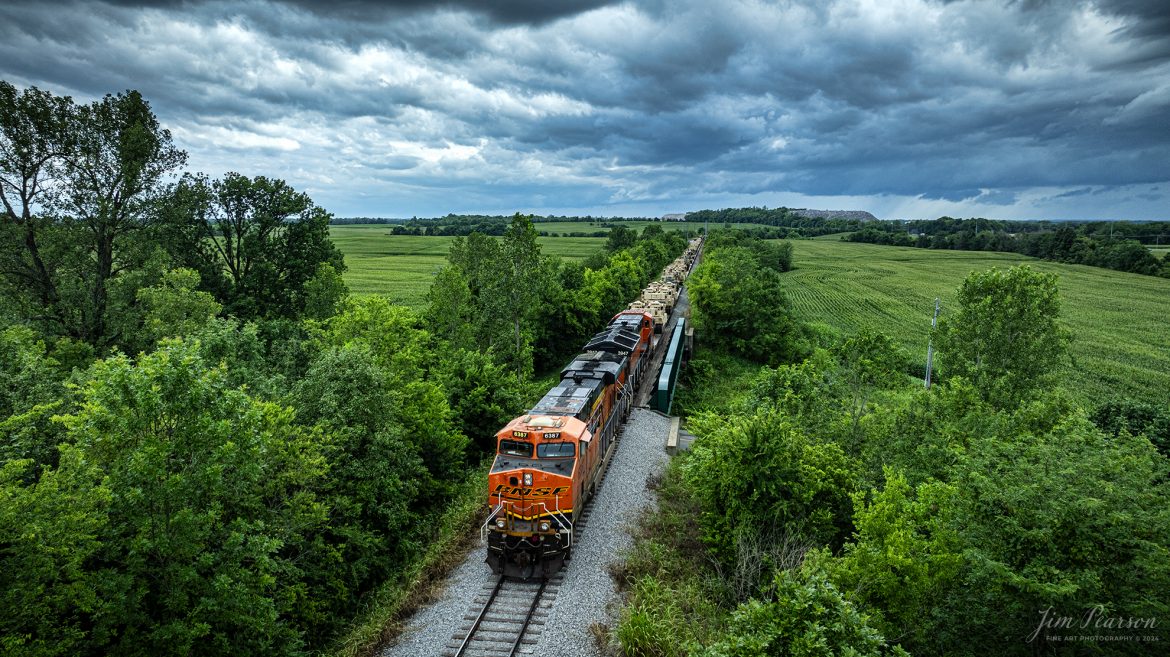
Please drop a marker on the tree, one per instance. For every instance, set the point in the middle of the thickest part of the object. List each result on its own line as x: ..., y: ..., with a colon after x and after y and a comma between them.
x: 268, y: 240
x: 213, y: 493
x: 521, y: 285
x: 741, y: 306
x: 176, y: 307
x: 80, y: 186
x: 809, y: 618
x: 111, y: 183
x: 867, y: 362
x: 1006, y: 337
x: 762, y: 473
x: 620, y: 238
x: 34, y: 141
x: 50, y: 591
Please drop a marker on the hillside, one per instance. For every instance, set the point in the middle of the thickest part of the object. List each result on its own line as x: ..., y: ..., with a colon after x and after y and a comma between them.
x: 1121, y: 346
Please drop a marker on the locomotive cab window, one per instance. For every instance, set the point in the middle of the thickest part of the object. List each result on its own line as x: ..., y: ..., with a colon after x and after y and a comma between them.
x: 516, y: 448
x: 554, y: 450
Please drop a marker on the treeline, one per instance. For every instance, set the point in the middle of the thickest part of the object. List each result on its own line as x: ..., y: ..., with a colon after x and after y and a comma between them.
x: 798, y: 224
x: 494, y: 225
x: 831, y: 505
x: 1111, y: 245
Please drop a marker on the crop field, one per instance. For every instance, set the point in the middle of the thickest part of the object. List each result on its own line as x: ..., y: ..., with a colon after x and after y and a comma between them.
x: 1121, y: 344
x: 402, y: 266
x: 565, y: 227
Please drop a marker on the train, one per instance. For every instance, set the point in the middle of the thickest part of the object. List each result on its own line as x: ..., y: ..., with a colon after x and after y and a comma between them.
x: 550, y: 460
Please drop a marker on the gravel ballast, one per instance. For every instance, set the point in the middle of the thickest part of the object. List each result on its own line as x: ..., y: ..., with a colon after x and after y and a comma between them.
x: 587, y: 595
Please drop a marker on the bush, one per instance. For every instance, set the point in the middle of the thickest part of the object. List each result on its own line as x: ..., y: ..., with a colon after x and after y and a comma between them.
x: 740, y: 306
x: 809, y: 618
x: 760, y: 474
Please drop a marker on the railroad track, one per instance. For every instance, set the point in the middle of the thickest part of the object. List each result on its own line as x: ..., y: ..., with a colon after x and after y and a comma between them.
x: 511, y: 617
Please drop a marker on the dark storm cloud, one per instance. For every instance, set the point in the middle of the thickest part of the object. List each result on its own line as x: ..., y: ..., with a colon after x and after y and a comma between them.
x: 588, y: 103
x: 501, y: 11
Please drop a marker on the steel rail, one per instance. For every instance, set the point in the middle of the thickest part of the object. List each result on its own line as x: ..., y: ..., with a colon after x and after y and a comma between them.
x: 479, y: 619
x: 528, y: 618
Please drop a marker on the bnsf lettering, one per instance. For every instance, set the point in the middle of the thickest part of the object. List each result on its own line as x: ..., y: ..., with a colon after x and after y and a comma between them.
x: 539, y: 492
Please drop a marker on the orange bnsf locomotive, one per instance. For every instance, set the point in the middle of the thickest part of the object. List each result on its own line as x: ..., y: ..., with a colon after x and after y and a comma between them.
x: 549, y: 460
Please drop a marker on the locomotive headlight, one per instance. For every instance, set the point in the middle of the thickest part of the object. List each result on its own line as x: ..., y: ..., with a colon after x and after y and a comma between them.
x: 544, y: 526
x: 500, y: 522
x: 527, y: 478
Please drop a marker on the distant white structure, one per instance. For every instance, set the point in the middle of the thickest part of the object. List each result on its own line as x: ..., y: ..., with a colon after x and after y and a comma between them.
x: 682, y: 216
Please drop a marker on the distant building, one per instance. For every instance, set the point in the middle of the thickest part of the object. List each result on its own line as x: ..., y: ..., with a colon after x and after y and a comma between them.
x: 675, y: 217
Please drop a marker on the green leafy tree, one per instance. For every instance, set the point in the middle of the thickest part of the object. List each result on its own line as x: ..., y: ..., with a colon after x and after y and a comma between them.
x: 175, y: 307
x: 269, y: 241
x: 620, y: 238
x: 112, y: 183
x: 761, y: 473
x: 520, y: 292
x: 1005, y: 337
x: 81, y: 186
x: 450, y: 312
x: 325, y: 293
x: 32, y: 391
x: 378, y: 489
x: 867, y: 362
x: 212, y: 494
x: 906, y: 555
x: 51, y: 591
x: 741, y: 306
x: 34, y: 141
x: 405, y: 352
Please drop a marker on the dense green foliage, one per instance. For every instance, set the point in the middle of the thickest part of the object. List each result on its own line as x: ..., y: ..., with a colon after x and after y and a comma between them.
x: 838, y: 502
x: 808, y: 618
x: 273, y: 456
x: 1005, y: 337
x: 739, y: 301
x: 90, y: 217
x: 258, y: 244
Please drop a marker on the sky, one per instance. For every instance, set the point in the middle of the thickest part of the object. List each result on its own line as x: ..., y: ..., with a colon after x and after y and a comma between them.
x: 910, y: 109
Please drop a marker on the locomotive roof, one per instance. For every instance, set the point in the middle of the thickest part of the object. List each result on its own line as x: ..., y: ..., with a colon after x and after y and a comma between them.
x: 595, y: 365
x: 615, y: 338
x: 570, y: 397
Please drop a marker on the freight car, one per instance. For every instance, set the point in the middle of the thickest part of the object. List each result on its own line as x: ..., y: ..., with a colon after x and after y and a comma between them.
x: 549, y: 460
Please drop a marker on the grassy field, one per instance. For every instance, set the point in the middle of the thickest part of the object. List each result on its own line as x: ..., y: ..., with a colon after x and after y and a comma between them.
x: 402, y: 266
x: 1121, y: 342
x: 586, y: 227
x: 1160, y: 251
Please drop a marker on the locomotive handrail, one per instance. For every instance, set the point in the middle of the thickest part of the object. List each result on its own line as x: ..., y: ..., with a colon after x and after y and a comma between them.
x: 483, y: 530
x: 557, y: 516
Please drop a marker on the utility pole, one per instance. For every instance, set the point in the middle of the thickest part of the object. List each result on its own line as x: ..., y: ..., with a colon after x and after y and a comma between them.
x: 930, y: 346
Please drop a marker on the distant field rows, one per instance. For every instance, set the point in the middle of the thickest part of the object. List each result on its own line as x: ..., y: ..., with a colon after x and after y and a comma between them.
x: 1119, y: 321
x: 403, y: 266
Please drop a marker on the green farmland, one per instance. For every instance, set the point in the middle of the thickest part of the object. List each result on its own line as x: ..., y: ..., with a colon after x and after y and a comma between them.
x: 1121, y: 342
x: 565, y: 227
x: 402, y: 266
